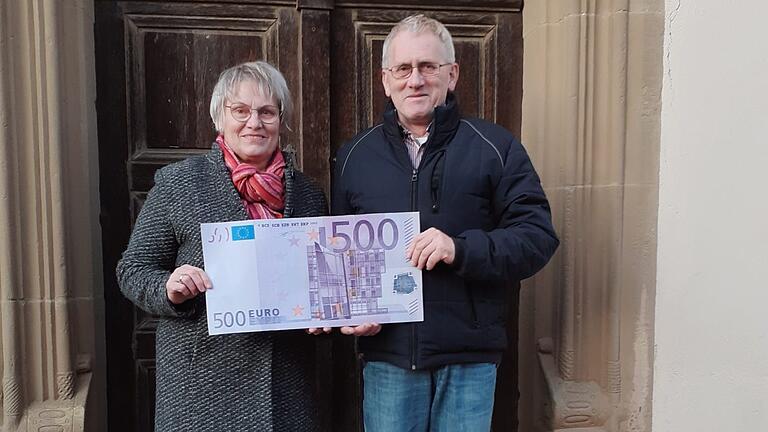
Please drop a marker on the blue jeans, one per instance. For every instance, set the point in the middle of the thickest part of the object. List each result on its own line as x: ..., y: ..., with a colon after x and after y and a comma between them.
x: 450, y: 398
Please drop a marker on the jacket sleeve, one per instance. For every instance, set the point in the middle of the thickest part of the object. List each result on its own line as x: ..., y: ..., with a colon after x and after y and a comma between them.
x: 523, y: 240
x: 150, y: 258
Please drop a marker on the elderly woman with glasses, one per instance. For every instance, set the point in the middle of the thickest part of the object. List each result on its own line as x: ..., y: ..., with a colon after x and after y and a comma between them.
x: 236, y: 382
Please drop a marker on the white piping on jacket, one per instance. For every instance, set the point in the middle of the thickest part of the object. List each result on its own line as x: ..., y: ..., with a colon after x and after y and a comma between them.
x: 493, y: 146
x: 343, y: 167
x: 498, y: 153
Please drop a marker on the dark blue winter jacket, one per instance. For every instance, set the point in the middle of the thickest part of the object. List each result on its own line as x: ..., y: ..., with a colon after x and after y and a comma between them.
x: 475, y: 183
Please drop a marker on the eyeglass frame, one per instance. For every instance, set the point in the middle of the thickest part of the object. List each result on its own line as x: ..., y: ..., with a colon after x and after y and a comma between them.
x: 251, y: 110
x: 410, y: 72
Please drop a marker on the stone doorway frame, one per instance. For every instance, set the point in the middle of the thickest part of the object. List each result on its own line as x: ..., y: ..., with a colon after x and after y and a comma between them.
x: 591, y: 120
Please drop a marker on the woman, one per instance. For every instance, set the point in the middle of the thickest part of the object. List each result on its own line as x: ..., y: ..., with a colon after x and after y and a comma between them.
x: 239, y: 382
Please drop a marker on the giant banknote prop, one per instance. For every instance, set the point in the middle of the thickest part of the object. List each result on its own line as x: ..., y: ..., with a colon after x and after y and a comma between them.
x: 298, y: 273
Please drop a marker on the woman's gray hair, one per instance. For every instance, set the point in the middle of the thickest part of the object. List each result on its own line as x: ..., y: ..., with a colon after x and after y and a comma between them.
x: 420, y: 24
x: 268, y: 80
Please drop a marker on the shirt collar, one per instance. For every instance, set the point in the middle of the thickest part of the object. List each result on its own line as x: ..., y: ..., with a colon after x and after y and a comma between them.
x: 409, y: 135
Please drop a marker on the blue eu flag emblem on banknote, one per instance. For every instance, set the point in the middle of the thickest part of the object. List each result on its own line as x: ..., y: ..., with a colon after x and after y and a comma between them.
x: 242, y: 232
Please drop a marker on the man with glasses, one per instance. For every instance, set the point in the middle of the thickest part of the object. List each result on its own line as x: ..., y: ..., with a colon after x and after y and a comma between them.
x: 486, y: 226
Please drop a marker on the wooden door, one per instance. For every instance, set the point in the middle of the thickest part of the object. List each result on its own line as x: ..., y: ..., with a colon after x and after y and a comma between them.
x: 157, y: 62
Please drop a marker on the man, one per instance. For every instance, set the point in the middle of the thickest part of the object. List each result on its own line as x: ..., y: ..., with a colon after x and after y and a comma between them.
x: 486, y: 226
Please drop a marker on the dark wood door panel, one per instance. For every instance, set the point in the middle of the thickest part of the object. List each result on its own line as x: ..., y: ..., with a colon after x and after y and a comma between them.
x: 175, y: 63
x: 174, y: 54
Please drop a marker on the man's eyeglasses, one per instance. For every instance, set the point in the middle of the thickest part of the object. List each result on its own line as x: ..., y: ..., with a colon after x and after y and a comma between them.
x: 267, y: 114
x: 425, y: 69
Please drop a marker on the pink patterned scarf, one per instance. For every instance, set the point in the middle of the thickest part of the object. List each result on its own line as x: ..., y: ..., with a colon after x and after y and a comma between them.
x: 262, y: 192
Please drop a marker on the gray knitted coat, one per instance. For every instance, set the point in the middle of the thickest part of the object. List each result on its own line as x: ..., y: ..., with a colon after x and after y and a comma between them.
x: 239, y: 382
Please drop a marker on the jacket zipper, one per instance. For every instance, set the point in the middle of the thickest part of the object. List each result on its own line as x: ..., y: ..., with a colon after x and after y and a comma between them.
x: 414, y: 189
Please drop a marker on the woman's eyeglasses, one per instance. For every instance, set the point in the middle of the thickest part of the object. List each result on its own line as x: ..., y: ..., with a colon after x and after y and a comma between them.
x: 267, y: 114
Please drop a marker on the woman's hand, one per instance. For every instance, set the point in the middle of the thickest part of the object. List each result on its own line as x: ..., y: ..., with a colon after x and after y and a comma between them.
x: 185, y: 283
x: 318, y: 330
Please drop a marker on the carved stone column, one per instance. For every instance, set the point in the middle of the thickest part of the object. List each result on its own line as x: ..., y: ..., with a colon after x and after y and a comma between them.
x: 49, y: 254
x: 592, y: 83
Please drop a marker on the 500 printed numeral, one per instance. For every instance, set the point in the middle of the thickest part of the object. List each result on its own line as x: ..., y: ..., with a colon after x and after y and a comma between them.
x: 229, y: 319
x: 363, y: 236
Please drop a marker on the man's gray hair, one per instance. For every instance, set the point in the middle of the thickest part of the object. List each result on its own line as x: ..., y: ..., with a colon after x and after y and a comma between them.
x: 420, y: 24
x: 268, y: 80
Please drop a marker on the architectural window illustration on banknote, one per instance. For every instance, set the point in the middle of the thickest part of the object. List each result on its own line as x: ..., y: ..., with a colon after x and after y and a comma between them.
x: 349, y: 283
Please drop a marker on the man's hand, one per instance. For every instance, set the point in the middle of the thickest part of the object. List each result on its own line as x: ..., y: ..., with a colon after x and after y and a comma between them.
x: 367, y: 329
x: 429, y: 248
x: 186, y: 282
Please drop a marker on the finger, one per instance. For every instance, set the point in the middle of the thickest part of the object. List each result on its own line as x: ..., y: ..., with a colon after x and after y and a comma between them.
x: 410, y: 250
x: 183, y: 290
x: 206, y: 280
x: 197, y: 284
x: 201, y: 277
x: 189, y: 284
x: 182, y: 285
x: 372, y: 329
x: 422, y: 242
x: 354, y: 331
x: 427, y: 235
x: 417, y: 251
x: 411, y: 246
x: 369, y: 329
x: 185, y: 269
x: 173, y: 279
x: 318, y: 331
x: 417, y: 242
x: 434, y: 258
x: 424, y: 256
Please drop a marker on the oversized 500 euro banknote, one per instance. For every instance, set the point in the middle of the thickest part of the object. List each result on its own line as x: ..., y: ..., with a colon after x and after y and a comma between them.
x: 298, y: 273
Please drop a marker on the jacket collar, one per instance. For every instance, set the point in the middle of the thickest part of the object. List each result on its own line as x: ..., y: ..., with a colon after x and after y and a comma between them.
x: 444, y: 124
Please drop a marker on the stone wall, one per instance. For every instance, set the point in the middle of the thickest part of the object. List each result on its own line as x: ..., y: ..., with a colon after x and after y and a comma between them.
x: 592, y: 85
x: 50, y: 253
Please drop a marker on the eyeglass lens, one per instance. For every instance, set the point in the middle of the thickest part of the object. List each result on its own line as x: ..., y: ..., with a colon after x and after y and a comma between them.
x: 266, y: 114
x: 425, y: 68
